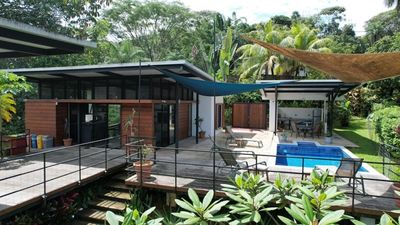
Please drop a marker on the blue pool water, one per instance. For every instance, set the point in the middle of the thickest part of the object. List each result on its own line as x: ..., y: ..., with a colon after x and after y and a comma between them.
x: 319, y: 153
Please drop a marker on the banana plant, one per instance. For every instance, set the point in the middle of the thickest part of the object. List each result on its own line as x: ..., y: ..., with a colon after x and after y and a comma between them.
x: 201, y: 212
x: 132, y: 217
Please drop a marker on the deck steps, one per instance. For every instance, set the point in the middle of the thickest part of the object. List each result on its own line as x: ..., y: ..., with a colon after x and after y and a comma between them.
x: 114, y: 197
x: 117, y: 196
x: 106, y: 204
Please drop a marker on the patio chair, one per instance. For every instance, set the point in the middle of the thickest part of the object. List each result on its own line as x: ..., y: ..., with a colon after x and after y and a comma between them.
x: 347, y: 169
x: 316, y: 130
x: 230, y: 162
x: 294, y: 128
x: 238, y: 139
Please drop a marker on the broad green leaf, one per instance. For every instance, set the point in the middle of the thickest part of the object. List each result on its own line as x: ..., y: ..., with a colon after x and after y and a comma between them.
x: 332, y: 218
x: 113, y: 219
x: 184, y: 215
x: 207, y: 199
x: 185, y: 205
x: 286, y: 220
x: 194, y: 197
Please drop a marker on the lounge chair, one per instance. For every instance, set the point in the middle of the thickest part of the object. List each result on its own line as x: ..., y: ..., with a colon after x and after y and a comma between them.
x: 347, y: 169
x: 230, y: 161
x: 238, y: 139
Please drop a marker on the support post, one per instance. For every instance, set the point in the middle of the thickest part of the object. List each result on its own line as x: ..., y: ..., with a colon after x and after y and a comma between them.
x: 197, y: 118
x: 276, y: 110
x: 176, y: 130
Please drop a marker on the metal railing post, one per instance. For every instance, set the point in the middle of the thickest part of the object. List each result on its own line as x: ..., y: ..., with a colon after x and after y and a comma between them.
x: 105, y: 159
x: 302, y: 168
x: 214, y: 166
x: 176, y: 170
x: 80, y: 163
x: 354, y: 188
x: 256, y: 164
x: 44, y: 177
x: 141, y: 164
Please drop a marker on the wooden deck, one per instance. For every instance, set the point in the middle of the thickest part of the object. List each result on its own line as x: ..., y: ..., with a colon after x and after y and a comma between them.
x: 61, y: 176
x: 200, y: 177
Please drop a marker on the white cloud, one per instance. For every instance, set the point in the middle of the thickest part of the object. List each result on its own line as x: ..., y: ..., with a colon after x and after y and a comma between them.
x: 357, y: 11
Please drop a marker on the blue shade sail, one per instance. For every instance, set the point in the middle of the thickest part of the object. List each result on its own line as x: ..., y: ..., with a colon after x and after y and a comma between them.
x: 210, y: 88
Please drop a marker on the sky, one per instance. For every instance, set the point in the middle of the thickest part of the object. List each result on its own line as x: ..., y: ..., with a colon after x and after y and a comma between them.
x: 357, y: 11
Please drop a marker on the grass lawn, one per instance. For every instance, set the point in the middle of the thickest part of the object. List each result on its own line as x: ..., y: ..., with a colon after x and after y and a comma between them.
x: 359, y: 134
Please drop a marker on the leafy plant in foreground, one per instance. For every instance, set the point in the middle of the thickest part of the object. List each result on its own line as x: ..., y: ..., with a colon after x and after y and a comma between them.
x: 133, y: 217
x: 252, y: 196
x: 203, y: 213
x: 284, y: 188
x: 320, y: 181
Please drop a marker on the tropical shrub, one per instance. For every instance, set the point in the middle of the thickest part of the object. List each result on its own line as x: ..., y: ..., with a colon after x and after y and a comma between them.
x: 386, y: 121
x: 251, y: 200
x: 342, y: 113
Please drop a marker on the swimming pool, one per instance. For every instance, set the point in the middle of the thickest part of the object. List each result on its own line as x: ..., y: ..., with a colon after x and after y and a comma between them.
x: 319, y: 153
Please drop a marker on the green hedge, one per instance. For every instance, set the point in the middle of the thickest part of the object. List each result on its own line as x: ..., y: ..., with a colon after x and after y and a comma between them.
x: 386, y: 121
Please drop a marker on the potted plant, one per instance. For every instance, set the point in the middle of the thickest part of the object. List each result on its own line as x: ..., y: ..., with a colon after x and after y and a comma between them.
x: 202, y: 133
x: 143, y: 166
x: 67, y: 139
x: 129, y: 124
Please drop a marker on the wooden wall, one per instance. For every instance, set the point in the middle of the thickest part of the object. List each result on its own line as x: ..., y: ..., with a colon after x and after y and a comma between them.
x: 46, y: 118
x: 146, y: 119
x: 249, y: 115
x: 184, y: 120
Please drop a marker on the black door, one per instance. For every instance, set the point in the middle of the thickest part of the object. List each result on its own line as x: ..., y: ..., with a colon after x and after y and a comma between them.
x: 164, y: 124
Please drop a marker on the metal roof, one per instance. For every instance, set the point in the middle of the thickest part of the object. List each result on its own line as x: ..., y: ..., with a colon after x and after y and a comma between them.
x: 307, y: 89
x: 20, y: 40
x: 311, y: 86
x: 180, y: 67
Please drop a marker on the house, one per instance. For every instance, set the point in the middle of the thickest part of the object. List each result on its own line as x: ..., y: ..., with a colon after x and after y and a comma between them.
x: 95, y: 101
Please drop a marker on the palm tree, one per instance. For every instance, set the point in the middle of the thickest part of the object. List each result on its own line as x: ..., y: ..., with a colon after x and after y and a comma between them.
x: 303, y: 38
x: 390, y: 3
x: 254, y: 58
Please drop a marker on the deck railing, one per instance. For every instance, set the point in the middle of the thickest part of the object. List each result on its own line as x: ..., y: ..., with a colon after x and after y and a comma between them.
x: 212, y: 176
x: 71, y: 162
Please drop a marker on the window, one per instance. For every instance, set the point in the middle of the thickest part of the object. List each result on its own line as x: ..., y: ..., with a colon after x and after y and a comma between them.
x: 145, y: 88
x: 59, y: 90
x: 114, y: 89
x: 86, y: 90
x: 156, y: 88
x: 72, y: 89
x: 131, y: 88
x: 46, y: 90
x: 100, y: 89
x: 166, y: 87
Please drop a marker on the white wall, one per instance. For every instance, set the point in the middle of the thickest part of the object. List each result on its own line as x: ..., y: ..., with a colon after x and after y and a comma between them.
x: 298, y: 113
x: 206, y: 112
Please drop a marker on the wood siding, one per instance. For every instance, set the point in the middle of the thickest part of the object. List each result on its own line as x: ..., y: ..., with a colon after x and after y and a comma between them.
x: 40, y: 118
x: 184, y: 121
x: 249, y: 115
x: 146, y: 120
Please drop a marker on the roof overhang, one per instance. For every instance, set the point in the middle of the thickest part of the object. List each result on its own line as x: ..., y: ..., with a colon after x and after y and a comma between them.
x: 20, y: 40
x: 313, y: 90
x: 124, y: 70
